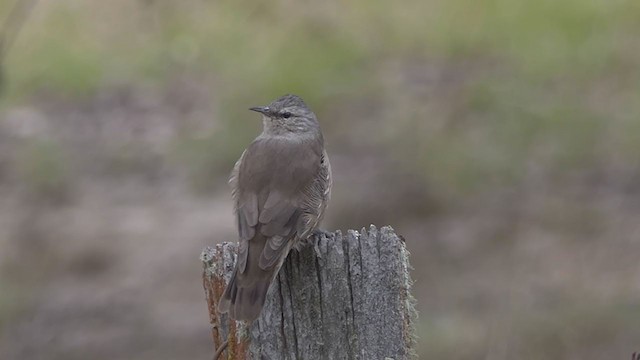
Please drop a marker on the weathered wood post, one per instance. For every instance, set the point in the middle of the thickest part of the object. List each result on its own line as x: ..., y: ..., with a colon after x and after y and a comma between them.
x: 346, y: 297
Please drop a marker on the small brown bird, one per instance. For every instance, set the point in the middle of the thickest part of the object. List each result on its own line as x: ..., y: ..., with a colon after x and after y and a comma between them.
x: 280, y: 186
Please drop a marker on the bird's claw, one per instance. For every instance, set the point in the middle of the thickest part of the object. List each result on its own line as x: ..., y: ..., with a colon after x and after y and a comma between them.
x: 313, y: 239
x: 319, y: 233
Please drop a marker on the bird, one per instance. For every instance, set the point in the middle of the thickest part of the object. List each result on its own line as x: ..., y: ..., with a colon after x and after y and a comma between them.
x: 280, y: 188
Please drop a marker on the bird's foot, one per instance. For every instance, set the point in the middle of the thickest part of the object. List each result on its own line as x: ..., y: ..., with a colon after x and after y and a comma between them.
x: 313, y: 239
x: 320, y: 233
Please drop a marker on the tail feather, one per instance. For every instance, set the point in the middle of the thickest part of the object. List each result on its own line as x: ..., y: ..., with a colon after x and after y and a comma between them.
x: 244, y: 301
x: 246, y: 292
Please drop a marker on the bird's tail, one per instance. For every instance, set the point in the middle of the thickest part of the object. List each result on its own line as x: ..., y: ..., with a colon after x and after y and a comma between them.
x: 244, y: 299
x: 246, y: 292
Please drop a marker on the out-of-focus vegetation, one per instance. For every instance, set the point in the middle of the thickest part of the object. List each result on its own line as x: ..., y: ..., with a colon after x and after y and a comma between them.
x: 550, y: 81
x: 500, y: 136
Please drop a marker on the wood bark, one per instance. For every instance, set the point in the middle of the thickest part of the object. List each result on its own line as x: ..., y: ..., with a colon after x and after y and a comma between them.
x: 343, y: 297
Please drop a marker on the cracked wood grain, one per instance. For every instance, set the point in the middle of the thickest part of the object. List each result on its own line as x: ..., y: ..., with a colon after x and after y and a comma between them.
x: 345, y: 297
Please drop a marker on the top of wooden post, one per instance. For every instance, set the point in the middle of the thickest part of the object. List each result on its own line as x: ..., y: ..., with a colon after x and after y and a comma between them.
x: 344, y: 297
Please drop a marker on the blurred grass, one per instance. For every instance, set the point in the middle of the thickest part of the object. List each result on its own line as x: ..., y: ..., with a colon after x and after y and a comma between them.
x: 485, y: 94
x: 582, y: 330
x: 542, y: 95
x: 42, y: 167
x: 316, y: 48
x: 13, y: 301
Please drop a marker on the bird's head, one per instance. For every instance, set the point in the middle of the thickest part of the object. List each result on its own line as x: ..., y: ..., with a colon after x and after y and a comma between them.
x: 286, y: 115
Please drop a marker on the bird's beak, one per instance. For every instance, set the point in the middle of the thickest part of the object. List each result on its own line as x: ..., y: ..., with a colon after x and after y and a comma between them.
x: 261, y: 109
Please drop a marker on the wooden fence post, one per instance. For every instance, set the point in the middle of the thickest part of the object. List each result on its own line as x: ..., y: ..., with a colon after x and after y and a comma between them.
x: 346, y: 297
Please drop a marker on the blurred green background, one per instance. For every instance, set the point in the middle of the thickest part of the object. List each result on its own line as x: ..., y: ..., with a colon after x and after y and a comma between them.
x: 500, y: 137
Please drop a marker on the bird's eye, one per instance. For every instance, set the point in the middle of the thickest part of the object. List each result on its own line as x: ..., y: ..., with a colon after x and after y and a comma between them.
x: 286, y: 115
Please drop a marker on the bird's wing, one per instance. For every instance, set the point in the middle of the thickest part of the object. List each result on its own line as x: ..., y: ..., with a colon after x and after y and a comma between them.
x: 316, y: 197
x: 274, y: 192
x: 246, y: 210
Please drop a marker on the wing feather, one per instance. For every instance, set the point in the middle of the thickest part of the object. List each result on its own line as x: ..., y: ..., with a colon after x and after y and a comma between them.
x: 280, y: 196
